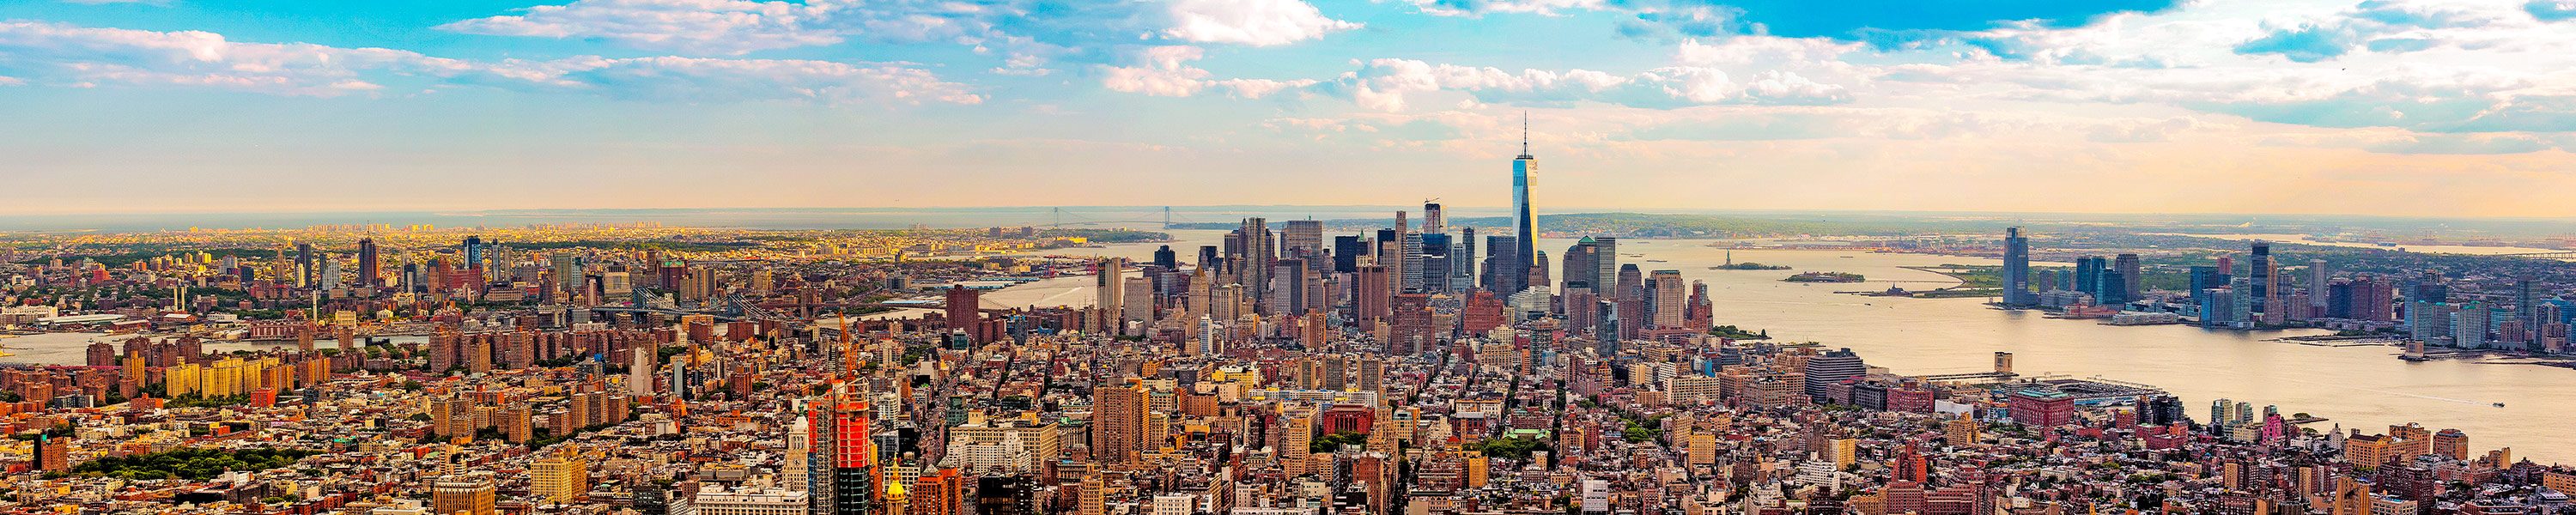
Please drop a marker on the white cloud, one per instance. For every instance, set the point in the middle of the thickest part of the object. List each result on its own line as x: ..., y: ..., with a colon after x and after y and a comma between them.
x: 1384, y: 84
x: 1165, y: 73
x: 1250, y: 22
x: 696, y: 26
x: 2144, y: 130
x: 1031, y: 32
x: 58, y: 54
x: 1739, y: 50
x: 1482, y: 7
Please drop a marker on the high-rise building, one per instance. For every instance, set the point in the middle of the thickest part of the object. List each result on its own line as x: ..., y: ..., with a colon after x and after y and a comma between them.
x: 1462, y: 261
x: 2131, y: 287
x: 1413, y: 332
x: 1605, y: 265
x: 53, y: 454
x: 1524, y: 170
x: 1372, y: 293
x: 307, y: 273
x: 965, y: 312
x: 1346, y: 253
x: 2526, y: 305
x: 1666, y: 306
x: 474, y: 252
x: 463, y: 495
x: 559, y: 478
x: 2017, y: 268
x: 1118, y: 433
x: 1502, y: 273
x: 1164, y: 257
x: 2204, y: 278
x: 1109, y: 290
x: 1829, y: 368
x: 1259, y: 248
x: 370, y: 269
x: 2320, y: 277
x: 1580, y: 268
x: 1301, y: 237
x: 1432, y: 221
x: 2260, y: 276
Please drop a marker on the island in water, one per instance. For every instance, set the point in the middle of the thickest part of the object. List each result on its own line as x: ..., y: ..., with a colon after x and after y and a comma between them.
x: 1825, y: 277
x: 1748, y: 265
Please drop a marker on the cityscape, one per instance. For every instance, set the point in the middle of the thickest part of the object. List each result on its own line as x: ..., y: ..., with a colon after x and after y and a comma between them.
x: 1287, y: 257
x: 1431, y: 365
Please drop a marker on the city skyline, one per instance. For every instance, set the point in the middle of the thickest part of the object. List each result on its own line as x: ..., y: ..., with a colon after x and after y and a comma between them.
x: 2408, y: 108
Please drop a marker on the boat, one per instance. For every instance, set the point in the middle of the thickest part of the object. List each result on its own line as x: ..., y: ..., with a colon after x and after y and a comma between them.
x: 2499, y: 405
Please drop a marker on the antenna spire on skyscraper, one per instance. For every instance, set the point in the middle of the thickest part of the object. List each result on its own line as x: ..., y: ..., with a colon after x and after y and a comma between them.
x: 1525, y: 135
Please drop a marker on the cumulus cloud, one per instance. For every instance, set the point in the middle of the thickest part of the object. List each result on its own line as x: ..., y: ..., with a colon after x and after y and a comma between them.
x: 2468, y: 144
x: 2140, y: 130
x: 2387, y: 26
x: 1844, y: 19
x: 696, y: 26
x: 1386, y: 84
x: 1092, y: 31
x: 67, y: 55
x: 1250, y: 22
x: 1165, y: 72
x: 1739, y: 50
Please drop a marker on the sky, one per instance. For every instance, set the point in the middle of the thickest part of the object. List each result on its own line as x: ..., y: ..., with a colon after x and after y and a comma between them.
x: 2452, y: 108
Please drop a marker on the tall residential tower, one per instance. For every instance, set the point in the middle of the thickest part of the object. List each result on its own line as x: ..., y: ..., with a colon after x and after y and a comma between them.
x: 2017, y: 268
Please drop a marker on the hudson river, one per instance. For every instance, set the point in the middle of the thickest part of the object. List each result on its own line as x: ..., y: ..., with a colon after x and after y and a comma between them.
x: 2355, y: 387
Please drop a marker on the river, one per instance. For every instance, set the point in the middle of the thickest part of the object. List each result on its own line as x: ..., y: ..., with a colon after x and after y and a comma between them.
x: 2354, y: 387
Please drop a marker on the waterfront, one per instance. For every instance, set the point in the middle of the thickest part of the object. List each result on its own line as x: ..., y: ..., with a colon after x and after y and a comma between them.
x: 2357, y: 387
x: 2481, y: 250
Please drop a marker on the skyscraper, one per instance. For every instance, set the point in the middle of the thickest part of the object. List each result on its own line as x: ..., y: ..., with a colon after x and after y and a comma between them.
x: 2259, y: 277
x: 1524, y: 169
x: 2320, y: 277
x: 1432, y: 220
x: 1346, y: 253
x: 369, y: 268
x: 2130, y: 285
x: 1119, y: 433
x: 965, y: 312
x: 1499, y: 274
x: 1666, y: 304
x: 305, y: 272
x: 2203, y: 278
x: 1109, y: 290
x: 474, y: 252
x: 2017, y: 268
x: 1605, y: 265
x: 463, y: 495
x: 1462, y: 261
x: 1258, y: 250
x: 1301, y: 238
x: 1832, y: 367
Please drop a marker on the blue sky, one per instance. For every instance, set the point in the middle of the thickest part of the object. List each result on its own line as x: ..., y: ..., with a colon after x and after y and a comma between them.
x: 2383, y: 107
